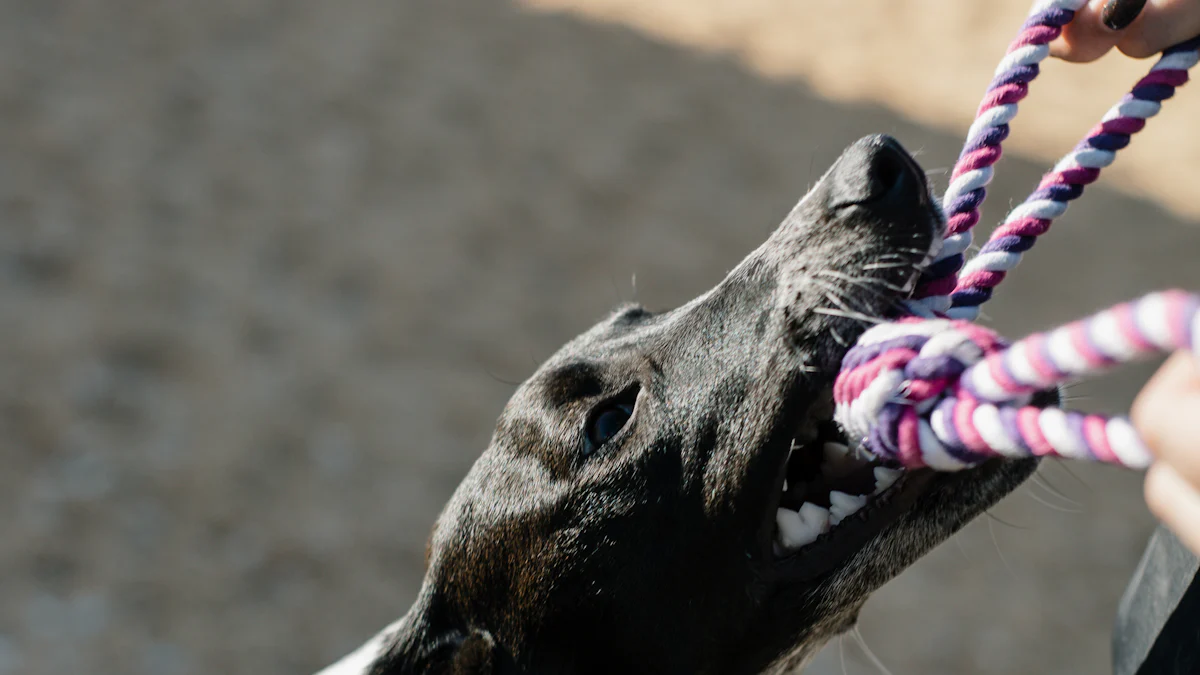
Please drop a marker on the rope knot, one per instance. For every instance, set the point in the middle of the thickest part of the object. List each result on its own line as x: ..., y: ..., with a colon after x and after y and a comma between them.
x: 948, y: 394
x: 902, y: 379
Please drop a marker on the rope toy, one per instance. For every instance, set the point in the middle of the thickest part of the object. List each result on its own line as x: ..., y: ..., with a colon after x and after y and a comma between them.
x: 933, y: 389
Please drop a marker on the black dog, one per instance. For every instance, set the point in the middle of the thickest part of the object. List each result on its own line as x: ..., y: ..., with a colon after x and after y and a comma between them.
x: 667, y: 494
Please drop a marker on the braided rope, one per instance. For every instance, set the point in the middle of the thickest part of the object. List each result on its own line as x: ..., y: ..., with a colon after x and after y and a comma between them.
x: 1066, y: 182
x: 948, y: 394
x: 973, y: 171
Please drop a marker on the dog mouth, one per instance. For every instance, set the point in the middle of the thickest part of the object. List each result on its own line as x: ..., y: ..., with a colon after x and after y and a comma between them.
x: 827, y: 483
x: 833, y: 497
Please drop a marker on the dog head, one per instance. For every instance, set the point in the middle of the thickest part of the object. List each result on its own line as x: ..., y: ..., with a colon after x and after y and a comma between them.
x: 667, y: 493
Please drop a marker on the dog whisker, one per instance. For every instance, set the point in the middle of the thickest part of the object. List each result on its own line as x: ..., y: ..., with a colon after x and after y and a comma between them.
x: 866, y: 312
x: 863, y: 283
x: 900, y: 260
x: 1073, y: 475
x: 1004, y: 522
x: 899, y: 264
x: 501, y: 380
x: 842, y: 653
x: 862, y: 644
x: 996, y: 543
x: 961, y: 549
x: 857, y: 316
x: 855, y: 282
x: 1062, y: 509
x: 849, y: 283
x: 1041, y: 481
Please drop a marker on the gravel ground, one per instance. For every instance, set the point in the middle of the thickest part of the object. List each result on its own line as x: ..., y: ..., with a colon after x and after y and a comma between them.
x: 268, y: 269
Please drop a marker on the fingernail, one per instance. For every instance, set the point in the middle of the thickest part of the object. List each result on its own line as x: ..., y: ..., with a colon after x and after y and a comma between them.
x: 1118, y: 14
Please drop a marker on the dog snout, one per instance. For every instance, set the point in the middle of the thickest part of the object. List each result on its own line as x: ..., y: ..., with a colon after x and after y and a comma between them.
x: 877, y: 172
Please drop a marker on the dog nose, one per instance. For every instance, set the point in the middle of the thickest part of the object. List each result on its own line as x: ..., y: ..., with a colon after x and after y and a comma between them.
x: 877, y: 170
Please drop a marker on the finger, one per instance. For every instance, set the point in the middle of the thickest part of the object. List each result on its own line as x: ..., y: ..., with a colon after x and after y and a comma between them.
x: 1086, y: 38
x: 1175, y: 502
x: 1164, y: 23
x: 1167, y: 413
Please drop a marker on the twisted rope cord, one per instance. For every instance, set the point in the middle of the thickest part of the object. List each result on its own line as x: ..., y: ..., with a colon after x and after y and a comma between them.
x: 1066, y: 182
x: 973, y: 171
x: 945, y: 393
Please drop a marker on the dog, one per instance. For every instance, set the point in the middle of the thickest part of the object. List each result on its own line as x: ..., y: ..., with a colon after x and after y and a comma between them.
x: 668, y: 494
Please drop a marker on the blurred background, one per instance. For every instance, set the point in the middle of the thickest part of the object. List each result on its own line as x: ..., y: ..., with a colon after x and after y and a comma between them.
x: 269, y: 270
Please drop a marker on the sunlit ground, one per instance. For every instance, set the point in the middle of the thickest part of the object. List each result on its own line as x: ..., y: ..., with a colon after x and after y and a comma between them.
x: 929, y: 60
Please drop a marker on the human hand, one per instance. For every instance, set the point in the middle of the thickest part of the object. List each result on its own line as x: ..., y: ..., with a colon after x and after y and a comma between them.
x: 1139, y: 28
x: 1167, y: 415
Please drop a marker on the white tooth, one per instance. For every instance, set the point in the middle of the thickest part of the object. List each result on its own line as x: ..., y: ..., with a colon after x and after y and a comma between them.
x: 842, y: 505
x: 847, y: 502
x: 815, y: 516
x: 793, y: 532
x: 785, y: 484
x: 801, y: 528
x: 885, y: 477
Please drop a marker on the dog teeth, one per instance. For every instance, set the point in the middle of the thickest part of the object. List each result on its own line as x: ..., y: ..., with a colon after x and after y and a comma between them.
x: 793, y: 533
x: 885, y: 478
x: 815, y: 516
x: 842, y: 505
x: 803, y: 527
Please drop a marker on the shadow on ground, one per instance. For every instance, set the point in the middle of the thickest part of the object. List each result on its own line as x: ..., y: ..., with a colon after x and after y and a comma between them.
x: 269, y: 269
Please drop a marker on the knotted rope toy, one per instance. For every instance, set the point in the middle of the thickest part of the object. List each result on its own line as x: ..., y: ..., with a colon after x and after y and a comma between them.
x: 933, y: 389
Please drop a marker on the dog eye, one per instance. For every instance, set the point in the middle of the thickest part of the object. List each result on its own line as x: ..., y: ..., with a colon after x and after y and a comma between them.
x: 607, y: 420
